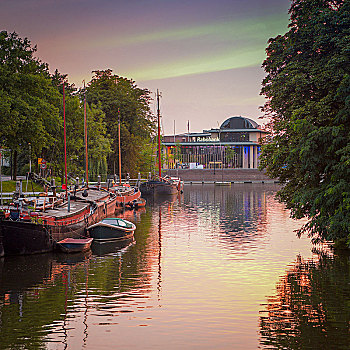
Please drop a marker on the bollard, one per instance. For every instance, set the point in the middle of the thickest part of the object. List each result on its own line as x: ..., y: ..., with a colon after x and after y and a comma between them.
x: 138, y: 183
x: 99, y: 181
x: 53, y: 186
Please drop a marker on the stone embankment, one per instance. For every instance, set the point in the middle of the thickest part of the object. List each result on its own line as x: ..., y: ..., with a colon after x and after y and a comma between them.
x: 220, y: 175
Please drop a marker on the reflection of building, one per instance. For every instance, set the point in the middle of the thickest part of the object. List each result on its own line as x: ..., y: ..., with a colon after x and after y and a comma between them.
x: 234, y: 145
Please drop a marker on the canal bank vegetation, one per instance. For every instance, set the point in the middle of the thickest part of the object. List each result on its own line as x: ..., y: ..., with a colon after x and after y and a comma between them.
x: 31, y: 116
x: 307, y: 86
x: 10, y: 186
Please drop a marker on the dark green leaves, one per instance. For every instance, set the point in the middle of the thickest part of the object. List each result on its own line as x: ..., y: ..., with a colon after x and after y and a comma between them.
x: 308, y: 102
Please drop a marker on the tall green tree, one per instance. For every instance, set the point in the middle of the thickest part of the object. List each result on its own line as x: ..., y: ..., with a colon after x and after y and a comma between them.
x: 28, y: 100
x: 114, y: 93
x: 98, y: 143
x: 307, y: 86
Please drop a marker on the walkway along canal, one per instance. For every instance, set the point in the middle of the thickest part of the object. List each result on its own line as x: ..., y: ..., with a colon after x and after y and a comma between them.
x: 219, y: 175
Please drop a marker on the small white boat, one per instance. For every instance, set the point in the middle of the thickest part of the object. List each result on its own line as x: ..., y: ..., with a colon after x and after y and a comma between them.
x: 111, y: 229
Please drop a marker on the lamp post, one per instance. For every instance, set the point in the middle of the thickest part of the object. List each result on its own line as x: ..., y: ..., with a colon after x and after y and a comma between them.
x: 30, y: 157
x: 1, y: 176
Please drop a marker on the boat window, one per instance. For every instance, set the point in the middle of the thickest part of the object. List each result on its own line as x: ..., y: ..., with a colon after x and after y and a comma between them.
x: 110, y: 222
x: 121, y: 223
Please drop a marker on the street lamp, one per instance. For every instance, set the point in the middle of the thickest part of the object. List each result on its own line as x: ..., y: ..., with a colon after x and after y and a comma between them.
x: 30, y: 157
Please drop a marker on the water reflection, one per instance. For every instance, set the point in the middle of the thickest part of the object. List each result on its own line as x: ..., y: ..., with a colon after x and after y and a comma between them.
x: 104, y: 248
x: 238, y: 213
x: 30, y: 298
x: 41, y: 295
x: 195, y: 276
x: 311, y: 307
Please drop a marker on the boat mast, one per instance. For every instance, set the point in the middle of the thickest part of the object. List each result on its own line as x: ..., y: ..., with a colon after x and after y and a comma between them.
x: 0, y: 177
x: 159, y: 155
x: 65, y: 143
x: 120, y: 154
x: 86, y: 146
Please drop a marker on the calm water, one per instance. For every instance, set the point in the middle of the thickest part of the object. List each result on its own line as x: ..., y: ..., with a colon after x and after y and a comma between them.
x: 218, y: 268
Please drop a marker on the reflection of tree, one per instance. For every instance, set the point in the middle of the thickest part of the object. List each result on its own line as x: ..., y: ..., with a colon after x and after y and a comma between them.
x: 38, y: 293
x: 31, y: 298
x: 311, y: 309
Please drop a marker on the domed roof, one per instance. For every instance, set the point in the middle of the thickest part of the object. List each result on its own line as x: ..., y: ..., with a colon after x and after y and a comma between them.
x: 239, y: 122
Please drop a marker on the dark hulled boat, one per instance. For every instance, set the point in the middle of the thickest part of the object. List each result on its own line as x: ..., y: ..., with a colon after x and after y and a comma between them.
x: 110, y: 229
x: 160, y: 186
x: 25, y: 232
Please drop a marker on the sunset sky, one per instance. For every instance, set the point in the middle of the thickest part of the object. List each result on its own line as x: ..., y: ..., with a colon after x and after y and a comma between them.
x: 204, y: 56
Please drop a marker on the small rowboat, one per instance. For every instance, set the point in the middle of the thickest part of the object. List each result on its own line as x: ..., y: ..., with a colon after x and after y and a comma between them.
x: 73, y: 245
x: 136, y: 203
x: 111, y: 229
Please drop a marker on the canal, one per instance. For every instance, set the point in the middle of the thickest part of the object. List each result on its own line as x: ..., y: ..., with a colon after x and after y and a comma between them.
x: 215, y: 268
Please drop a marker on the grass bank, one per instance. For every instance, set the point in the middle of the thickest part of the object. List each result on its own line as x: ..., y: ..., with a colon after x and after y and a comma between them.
x: 10, y: 186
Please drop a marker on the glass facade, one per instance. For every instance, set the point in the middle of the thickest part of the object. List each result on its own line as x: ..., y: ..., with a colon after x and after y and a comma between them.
x: 238, y: 123
x: 208, y: 156
x: 234, y: 145
x: 234, y: 136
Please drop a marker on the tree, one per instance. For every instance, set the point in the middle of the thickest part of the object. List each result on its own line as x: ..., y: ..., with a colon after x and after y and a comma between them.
x: 230, y: 155
x: 98, y: 143
x: 114, y: 93
x: 28, y: 100
x: 307, y: 87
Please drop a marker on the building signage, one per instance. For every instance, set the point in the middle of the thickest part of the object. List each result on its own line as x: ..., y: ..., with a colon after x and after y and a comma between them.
x: 208, y: 139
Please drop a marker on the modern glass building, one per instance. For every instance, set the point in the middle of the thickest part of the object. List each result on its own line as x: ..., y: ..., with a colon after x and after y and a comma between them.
x: 234, y: 145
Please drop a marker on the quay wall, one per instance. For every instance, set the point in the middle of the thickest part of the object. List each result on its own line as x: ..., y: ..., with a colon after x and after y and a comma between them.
x: 226, y: 175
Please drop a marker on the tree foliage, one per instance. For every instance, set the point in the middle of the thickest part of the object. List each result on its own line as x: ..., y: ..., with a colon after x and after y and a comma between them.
x: 28, y: 100
x: 114, y: 93
x: 98, y: 142
x: 307, y: 87
x: 31, y: 112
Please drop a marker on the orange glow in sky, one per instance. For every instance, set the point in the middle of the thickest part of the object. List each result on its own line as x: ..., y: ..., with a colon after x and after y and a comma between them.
x: 204, y: 56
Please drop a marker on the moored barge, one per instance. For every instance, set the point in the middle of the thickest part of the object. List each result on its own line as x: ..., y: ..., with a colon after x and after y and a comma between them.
x: 26, y: 232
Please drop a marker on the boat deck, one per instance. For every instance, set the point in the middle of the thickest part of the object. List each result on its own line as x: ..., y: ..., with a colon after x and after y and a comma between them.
x: 76, y: 205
